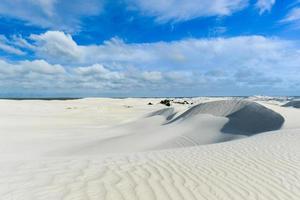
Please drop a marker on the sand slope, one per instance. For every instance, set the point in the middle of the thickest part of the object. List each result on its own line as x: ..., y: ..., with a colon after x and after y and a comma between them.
x: 62, y: 150
x: 245, y: 117
x: 206, y: 123
x: 251, y: 168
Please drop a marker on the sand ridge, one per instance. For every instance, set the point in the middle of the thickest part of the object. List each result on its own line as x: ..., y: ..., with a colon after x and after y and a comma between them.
x: 245, y: 117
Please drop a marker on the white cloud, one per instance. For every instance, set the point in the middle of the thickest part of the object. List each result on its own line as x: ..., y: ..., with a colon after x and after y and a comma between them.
x: 7, y: 47
x: 202, y: 54
x: 38, y: 75
x: 182, y: 10
x: 10, y: 49
x: 152, y: 76
x: 24, y: 67
x: 41, y: 67
x: 98, y: 71
x: 67, y: 15
x: 56, y: 46
x: 292, y: 16
x: 92, y: 70
x: 20, y: 42
x: 46, y: 5
x: 292, y: 19
x: 198, y: 64
x: 265, y: 5
x: 56, y: 14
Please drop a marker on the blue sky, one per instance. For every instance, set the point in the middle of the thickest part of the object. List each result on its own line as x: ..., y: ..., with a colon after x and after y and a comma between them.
x: 149, y: 48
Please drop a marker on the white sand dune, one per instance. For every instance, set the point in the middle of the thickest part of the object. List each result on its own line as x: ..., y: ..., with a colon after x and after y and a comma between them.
x: 206, y: 123
x: 245, y: 117
x: 63, y: 150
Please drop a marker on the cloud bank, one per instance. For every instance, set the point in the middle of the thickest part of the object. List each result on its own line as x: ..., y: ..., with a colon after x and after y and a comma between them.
x: 236, y: 65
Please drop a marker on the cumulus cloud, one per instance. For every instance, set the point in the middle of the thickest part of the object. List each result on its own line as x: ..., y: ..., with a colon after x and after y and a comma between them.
x: 187, y: 65
x: 25, y: 67
x: 202, y: 54
x: 182, y: 10
x: 265, y: 5
x: 56, y: 46
x: 62, y: 15
x: 41, y: 67
x: 38, y: 75
x: 99, y: 72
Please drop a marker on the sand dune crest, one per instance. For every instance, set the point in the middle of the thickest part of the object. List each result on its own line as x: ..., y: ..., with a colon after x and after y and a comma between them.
x: 245, y: 117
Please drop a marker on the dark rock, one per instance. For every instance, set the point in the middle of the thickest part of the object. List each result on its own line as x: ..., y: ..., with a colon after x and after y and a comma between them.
x: 166, y: 102
x: 181, y: 102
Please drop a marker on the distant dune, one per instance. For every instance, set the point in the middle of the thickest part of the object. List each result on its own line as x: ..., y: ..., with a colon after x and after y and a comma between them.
x: 295, y: 104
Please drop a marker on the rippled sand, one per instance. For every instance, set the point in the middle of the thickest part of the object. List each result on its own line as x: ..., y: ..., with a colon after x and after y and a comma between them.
x: 56, y: 150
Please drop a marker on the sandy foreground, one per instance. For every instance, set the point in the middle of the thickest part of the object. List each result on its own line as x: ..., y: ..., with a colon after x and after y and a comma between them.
x: 101, y: 148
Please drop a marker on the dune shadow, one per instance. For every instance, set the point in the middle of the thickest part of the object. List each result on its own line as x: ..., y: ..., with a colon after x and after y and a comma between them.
x: 168, y: 113
x: 245, y: 117
x: 295, y: 104
x: 253, y: 119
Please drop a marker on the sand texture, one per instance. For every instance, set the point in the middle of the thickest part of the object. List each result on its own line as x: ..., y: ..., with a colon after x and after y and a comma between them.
x: 90, y: 149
